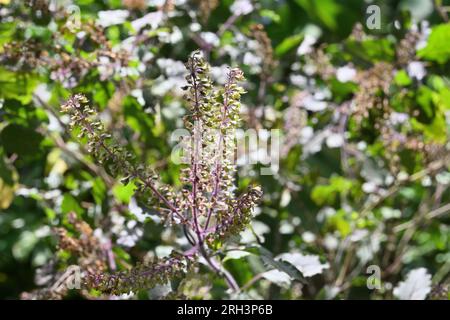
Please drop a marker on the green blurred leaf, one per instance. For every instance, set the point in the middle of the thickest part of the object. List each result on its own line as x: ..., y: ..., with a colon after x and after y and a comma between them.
x: 23, y: 141
x: 70, y: 204
x: 325, y: 11
x: 327, y: 193
x: 17, y: 86
x: 288, y: 44
x: 123, y: 193
x: 437, y: 48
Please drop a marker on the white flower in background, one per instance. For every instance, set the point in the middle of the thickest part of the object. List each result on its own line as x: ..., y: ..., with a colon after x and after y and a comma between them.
x: 331, y: 292
x: 443, y: 178
x: 358, y: 235
x: 296, y: 66
x: 398, y: 118
x: 127, y: 44
x: 306, y: 45
x: 389, y: 179
x: 325, y: 213
x: 335, y: 140
x: 219, y: 74
x: 195, y: 27
x: 137, y: 211
x: 416, y: 286
x: 416, y: 69
x: 240, y: 38
x: 322, y: 94
x: 345, y: 74
x: 259, y: 228
x: 232, y: 51
x: 210, y: 38
x: 139, y: 95
x: 330, y: 242
x: 306, y: 134
x: 286, y: 227
x: 285, y: 198
x: 241, y: 7
x: 162, y: 85
x: 251, y: 59
x: 171, y: 67
x: 156, y: 3
x: 112, y: 17
x: 298, y: 80
x: 314, y: 145
x: 361, y: 146
x: 153, y: 19
x: 163, y: 251
x: 42, y: 92
x: 81, y: 34
x: 171, y: 37
x: 308, y: 265
x: 271, y: 113
x: 252, y: 45
x: 128, y: 233
x: 424, y: 34
x: 313, y: 104
x: 308, y: 237
x: 369, y: 187
x: 173, y: 78
x: 128, y: 239
x: 390, y: 213
x: 402, y: 176
x: 105, y: 68
x: 310, y: 69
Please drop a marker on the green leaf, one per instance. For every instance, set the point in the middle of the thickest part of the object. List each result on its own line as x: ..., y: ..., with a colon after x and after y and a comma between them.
x: 284, y: 266
x: 424, y: 100
x: 70, y: 204
x: 402, y: 79
x: 437, y: 48
x: 98, y: 190
x: 325, y: 11
x: 123, y: 193
x: 25, y: 245
x: 371, y: 50
x: 272, y: 15
x: 288, y: 44
x: 17, y: 86
x: 23, y: 141
x: 8, y: 183
x: 327, y: 193
x: 7, y: 30
x: 340, y: 222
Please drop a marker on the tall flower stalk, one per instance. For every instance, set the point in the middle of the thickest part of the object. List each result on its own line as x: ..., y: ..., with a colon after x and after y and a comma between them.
x: 206, y: 206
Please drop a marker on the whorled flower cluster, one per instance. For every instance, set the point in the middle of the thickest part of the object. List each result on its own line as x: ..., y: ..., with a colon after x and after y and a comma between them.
x: 206, y: 7
x: 234, y: 221
x: 372, y: 98
x: 145, y: 275
x: 117, y: 160
x: 206, y: 205
x: 265, y: 50
x: 209, y: 177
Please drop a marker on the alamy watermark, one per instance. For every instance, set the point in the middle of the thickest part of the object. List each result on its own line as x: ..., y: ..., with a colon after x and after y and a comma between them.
x: 238, y: 147
x: 73, y: 12
x: 374, y: 279
x: 373, y: 20
x: 71, y: 279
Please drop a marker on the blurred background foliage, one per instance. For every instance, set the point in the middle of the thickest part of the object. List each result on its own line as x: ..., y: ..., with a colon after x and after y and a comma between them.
x: 365, y: 118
